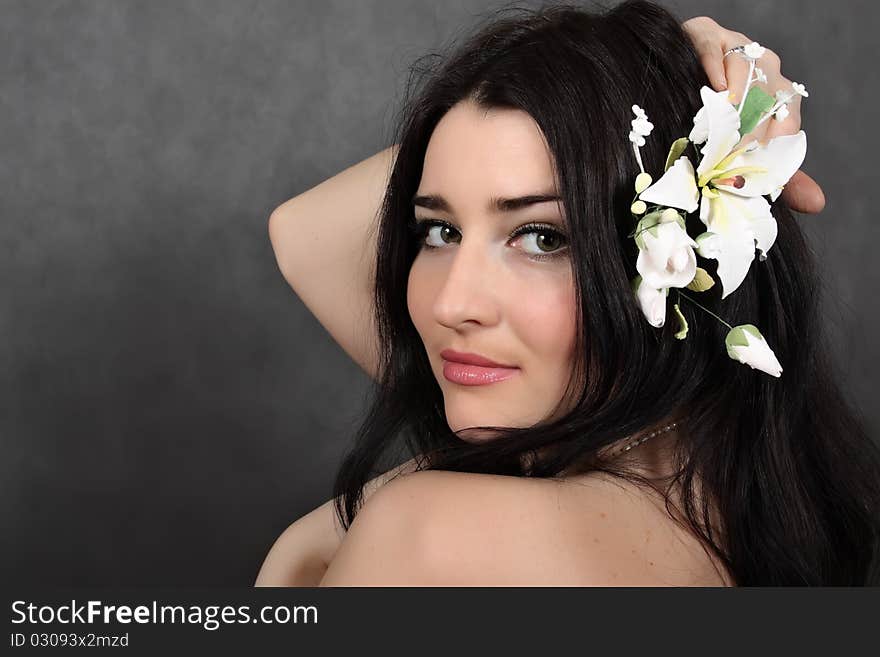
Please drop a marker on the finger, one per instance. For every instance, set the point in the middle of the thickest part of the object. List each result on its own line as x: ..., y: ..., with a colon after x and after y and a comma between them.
x: 789, y: 125
x: 704, y: 34
x: 737, y: 72
x: 712, y: 60
x: 803, y: 194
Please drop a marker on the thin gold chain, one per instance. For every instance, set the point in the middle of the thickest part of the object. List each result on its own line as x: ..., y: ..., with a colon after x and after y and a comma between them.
x: 639, y: 441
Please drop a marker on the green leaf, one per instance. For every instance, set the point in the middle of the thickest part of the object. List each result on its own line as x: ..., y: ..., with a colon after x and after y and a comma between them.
x: 702, y: 281
x: 675, y: 151
x: 651, y: 219
x: 756, y: 104
x: 647, y: 222
x: 682, y: 322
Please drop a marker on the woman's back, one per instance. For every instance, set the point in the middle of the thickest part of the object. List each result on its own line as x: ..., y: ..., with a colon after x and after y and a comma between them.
x: 436, y: 528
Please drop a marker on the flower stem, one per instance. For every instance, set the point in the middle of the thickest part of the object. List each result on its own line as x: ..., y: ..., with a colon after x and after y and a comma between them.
x: 638, y: 158
x: 742, y: 101
x: 682, y: 294
x: 772, y: 110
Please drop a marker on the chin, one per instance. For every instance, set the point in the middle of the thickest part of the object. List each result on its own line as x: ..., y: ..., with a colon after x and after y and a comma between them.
x: 474, y: 436
x: 471, y: 431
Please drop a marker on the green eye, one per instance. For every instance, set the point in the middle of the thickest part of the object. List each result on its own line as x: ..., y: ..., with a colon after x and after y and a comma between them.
x: 443, y: 233
x: 543, y: 241
x: 546, y: 240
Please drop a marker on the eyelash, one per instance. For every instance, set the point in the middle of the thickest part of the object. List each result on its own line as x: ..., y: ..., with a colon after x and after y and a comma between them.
x: 420, y: 228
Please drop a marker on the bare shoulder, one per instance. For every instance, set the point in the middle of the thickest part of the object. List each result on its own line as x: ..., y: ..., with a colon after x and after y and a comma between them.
x: 440, y: 528
x: 384, y: 546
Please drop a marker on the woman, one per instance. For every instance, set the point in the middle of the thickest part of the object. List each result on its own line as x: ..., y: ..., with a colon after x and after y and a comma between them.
x: 600, y: 450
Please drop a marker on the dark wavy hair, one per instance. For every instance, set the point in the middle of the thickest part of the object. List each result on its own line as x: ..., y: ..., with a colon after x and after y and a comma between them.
x: 785, y: 463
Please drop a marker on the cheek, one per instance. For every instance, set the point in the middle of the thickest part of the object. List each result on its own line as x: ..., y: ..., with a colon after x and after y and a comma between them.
x: 419, y: 295
x: 545, y: 320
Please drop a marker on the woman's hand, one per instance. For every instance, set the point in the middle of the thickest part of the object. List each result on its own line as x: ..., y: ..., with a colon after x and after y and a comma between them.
x: 711, y: 41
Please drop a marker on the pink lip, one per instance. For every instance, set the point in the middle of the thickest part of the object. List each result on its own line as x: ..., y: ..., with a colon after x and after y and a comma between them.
x: 470, y: 359
x: 472, y: 369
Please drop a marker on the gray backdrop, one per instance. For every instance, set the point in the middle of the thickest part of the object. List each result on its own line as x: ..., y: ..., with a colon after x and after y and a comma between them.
x: 168, y: 404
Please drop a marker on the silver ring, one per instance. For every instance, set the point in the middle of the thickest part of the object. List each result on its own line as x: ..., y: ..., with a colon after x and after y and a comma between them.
x: 734, y: 49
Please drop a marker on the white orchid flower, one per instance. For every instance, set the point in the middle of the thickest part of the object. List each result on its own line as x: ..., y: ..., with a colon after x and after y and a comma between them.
x: 666, y: 254
x: 732, y: 183
x: 746, y: 345
x: 652, y: 302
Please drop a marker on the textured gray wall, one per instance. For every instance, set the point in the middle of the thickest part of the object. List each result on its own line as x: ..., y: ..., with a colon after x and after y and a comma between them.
x: 167, y: 404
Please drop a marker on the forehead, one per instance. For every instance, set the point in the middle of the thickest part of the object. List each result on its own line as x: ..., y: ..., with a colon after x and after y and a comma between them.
x: 476, y: 153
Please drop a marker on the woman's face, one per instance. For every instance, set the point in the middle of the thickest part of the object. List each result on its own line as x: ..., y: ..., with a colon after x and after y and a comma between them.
x: 480, y: 291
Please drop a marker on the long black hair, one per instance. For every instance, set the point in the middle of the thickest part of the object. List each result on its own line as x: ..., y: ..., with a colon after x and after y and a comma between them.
x: 785, y: 463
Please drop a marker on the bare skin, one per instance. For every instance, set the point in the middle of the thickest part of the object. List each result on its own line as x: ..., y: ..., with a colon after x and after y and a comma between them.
x: 301, y: 554
x: 335, y: 282
x: 424, y: 529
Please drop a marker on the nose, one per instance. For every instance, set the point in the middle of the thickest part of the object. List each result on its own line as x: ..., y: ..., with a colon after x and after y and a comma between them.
x: 468, y: 294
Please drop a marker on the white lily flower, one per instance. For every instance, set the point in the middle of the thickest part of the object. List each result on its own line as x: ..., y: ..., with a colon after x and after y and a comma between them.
x: 709, y: 245
x: 700, y: 131
x: 746, y: 345
x: 754, y: 50
x: 734, y: 249
x: 652, y: 302
x: 677, y: 188
x: 733, y: 183
x: 782, y: 113
x: 741, y: 223
x: 667, y: 259
x: 799, y: 89
x: 757, y: 170
x: 722, y: 128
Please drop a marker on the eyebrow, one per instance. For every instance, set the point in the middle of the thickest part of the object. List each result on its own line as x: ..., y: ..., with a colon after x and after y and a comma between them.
x: 437, y: 202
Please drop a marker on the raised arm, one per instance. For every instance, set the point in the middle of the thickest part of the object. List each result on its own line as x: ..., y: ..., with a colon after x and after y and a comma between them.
x: 325, y: 239
x: 325, y: 245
